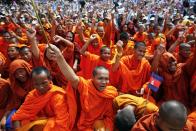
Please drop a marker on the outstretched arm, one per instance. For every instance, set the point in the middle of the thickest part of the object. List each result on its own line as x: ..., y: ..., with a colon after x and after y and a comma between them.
x: 85, y: 46
x: 65, y: 68
x: 32, y: 40
x: 58, y: 38
x: 173, y: 46
x: 117, y: 55
x: 158, y: 53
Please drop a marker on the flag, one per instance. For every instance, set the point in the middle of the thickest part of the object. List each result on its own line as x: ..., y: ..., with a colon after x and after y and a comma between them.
x: 155, y: 82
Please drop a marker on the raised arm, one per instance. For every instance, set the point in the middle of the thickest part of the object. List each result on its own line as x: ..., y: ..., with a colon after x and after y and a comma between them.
x: 173, y: 46
x: 117, y: 55
x: 85, y: 46
x: 65, y: 68
x: 31, y: 33
x: 158, y: 53
x: 58, y: 38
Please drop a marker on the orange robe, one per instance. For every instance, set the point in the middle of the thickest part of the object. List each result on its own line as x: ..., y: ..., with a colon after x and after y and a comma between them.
x: 23, y: 39
x: 176, y: 86
x: 5, y: 93
x: 109, y: 32
x: 96, y: 50
x: 90, y: 61
x: 53, y: 105
x: 157, y: 40
x: 139, y: 103
x: 148, y: 123
x: 134, y: 74
x: 57, y: 76
x: 19, y: 90
x: 2, y: 62
x: 140, y: 37
x: 192, y: 118
x: 4, y: 46
x: 95, y: 105
x: 193, y: 92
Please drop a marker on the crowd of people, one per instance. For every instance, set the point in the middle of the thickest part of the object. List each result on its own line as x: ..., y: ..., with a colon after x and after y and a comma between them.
x: 123, y: 65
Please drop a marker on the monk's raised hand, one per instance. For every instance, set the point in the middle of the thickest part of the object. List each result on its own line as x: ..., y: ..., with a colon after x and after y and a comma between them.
x: 93, y: 37
x: 54, y: 50
x: 119, y: 46
x: 31, y: 33
x: 57, y: 38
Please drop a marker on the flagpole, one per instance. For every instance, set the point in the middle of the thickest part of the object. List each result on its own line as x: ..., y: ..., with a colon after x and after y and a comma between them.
x: 39, y: 20
x: 146, y: 102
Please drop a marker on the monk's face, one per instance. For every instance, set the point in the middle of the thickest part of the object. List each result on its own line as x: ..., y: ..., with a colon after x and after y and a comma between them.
x: 172, y: 65
x: 41, y: 82
x: 140, y: 52
x: 141, y: 29
x: 105, y: 54
x: 7, y: 36
x: 21, y: 75
x: 95, y: 43
x: 125, y: 28
x: 101, y: 79
x: 185, y: 52
x: 100, y: 31
x: 26, y: 55
x: 13, y: 53
x: 69, y: 36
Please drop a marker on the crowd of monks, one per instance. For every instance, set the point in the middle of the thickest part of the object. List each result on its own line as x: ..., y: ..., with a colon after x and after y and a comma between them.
x: 93, y: 73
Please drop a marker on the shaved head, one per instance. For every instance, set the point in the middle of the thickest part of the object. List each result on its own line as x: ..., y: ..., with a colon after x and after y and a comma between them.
x: 173, y: 114
x: 125, y: 119
x: 139, y: 44
x: 99, y: 68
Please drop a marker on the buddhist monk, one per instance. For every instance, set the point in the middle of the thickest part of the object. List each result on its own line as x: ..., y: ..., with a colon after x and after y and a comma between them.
x: 46, y: 58
x: 184, y: 51
x: 46, y: 100
x: 93, y: 116
x: 103, y: 59
x: 140, y: 36
x: 2, y: 62
x: 100, y: 31
x: 5, y: 93
x: 172, y: 116
x: 13, y: 52
x: 136, y: 71
x: 19, y: 77
x: 94, y: 44
x: 128, y: 46
x: 4, y: 43
x: 177, y: 77
x: 131, y: 108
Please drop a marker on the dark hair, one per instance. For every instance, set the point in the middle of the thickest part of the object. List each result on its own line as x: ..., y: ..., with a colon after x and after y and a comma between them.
x: 17, y: 48
x: 98, y: 68
x: 103, y: 48
x: 137, y: 44
x: 24, y: 48
x: 124, y: 36
x: 125, y: 119
x: 38, y: 70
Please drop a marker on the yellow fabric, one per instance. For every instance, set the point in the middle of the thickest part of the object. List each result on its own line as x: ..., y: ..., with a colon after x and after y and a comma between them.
x: 138, y: 102
x: 37, y: 124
